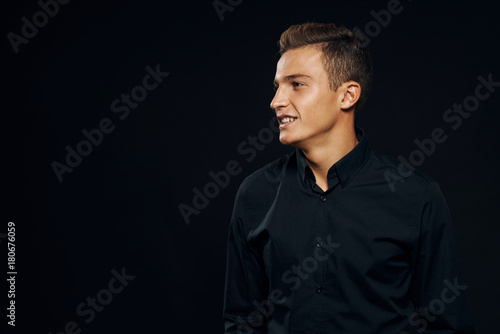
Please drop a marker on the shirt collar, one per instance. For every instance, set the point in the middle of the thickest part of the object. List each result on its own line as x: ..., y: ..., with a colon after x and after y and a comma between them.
x: 346, y: 167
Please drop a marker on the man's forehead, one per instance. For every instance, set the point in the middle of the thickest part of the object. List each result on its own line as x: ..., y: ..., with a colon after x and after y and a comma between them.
x: 292, y: 76
x: 298, y: 62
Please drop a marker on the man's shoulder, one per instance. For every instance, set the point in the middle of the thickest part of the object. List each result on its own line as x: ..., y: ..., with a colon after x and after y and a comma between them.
x: 399, y: 172
x: 268, y: 175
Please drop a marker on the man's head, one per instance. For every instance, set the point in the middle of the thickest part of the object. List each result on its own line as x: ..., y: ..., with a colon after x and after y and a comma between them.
x: 322, y: 79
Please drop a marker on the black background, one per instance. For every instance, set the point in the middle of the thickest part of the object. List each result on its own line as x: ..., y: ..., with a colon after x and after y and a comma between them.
x: 119, y: 207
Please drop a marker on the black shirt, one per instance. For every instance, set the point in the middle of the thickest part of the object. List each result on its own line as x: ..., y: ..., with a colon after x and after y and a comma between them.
x: 366, y: 256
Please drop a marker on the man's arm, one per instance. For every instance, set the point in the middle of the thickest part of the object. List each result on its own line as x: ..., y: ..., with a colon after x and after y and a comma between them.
x: 439, y: 285
x: 246, y: 281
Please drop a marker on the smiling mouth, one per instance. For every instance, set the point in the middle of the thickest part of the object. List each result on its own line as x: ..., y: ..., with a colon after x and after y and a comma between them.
x: 287, y: 120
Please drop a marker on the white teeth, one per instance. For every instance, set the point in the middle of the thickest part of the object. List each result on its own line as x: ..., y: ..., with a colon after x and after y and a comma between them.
x: 287, y: 120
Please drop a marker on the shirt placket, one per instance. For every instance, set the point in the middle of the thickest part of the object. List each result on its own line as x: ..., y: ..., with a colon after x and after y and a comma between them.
x: 320, y: 292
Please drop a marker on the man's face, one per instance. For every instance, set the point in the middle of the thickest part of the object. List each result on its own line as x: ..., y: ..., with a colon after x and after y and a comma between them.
x: 305, y: 106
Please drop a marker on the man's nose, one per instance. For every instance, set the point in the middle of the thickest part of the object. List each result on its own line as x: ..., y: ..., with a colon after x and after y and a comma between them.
x: 279, y: 100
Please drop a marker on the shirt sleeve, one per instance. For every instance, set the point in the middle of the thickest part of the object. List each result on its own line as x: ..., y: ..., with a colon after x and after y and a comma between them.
x: 440, y: 291
x: 246, y: 282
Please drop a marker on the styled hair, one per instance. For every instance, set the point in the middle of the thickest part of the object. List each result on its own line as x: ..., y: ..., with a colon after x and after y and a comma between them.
x: 345, y: 54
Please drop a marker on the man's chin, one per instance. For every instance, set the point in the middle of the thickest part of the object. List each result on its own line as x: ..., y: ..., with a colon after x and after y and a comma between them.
x: 287, y: 140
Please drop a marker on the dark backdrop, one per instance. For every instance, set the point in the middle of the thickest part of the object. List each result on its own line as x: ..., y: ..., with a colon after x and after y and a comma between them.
x: 118, y: 208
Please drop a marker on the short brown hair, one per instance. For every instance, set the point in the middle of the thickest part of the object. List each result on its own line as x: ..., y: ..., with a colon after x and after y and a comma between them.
x: 345, y: 53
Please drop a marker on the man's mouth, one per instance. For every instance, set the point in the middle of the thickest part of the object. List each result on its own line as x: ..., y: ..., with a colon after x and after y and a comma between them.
x: 287, y: 120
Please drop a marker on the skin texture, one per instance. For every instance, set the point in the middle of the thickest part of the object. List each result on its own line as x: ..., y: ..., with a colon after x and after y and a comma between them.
x: 324, y: 126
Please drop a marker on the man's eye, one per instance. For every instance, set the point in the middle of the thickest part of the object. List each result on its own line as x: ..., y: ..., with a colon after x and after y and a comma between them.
x: 297, y: 84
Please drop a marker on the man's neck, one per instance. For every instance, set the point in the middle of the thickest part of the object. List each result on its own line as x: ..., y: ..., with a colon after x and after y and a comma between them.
x: 321, y: 156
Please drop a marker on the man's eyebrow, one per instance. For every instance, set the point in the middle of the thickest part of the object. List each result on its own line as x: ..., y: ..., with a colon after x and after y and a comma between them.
x: 291, y: 77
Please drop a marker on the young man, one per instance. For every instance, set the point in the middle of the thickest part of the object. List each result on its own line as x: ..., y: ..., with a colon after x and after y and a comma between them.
x: 320, y: 241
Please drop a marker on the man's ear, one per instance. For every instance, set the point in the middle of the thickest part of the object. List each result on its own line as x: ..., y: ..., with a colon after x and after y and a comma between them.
x: 351, y: 93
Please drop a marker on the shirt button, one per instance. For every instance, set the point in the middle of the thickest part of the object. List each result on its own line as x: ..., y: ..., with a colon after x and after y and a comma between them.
x: 319, y: 244
x: 322, y: 198
x: 318, y: 289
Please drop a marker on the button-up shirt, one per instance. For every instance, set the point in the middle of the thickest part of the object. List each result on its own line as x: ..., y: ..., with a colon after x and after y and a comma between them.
x: 375, y: 253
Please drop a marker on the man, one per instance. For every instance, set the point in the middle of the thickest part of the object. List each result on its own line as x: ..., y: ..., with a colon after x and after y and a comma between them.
x: 320, y: 241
